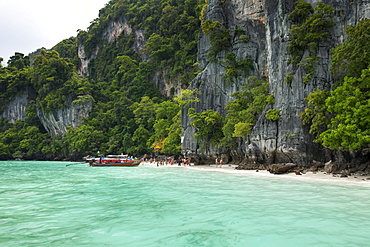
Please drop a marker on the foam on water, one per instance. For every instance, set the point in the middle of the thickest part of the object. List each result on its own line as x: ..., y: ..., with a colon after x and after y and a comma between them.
x: 49, y: 204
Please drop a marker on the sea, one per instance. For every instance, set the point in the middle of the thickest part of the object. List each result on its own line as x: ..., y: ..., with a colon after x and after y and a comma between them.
x: 64, y: 204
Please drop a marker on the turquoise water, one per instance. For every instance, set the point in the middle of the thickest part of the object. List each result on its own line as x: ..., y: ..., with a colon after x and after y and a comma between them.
x: 49, y: 204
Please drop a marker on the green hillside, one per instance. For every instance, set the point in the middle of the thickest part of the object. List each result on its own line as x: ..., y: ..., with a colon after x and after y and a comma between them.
x: 125, y: 82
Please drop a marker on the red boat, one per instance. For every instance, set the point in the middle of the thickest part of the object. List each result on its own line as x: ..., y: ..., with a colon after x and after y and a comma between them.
x: 113, y: 160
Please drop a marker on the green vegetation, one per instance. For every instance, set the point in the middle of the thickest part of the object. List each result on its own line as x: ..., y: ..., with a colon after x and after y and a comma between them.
x: 242, y: 114
x: 169, y: 27
x: 13, y: 80
x: 311, y: 26
x: 353, y: 56
x: 288, y: 78
x: 220, y: 38
x: 208, y: 125
x: 188, y: 97
x: 56, y: 81
x: 340, y: 118
x: 244, y: 110
x: 316, y: 115
x: 130, y: 115
x: 236, y: 69
x: 273, y: 114
x: 350, y: 104
x: 68, y: 49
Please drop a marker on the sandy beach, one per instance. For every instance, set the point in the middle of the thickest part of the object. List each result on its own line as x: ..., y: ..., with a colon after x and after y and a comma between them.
x: 309, y: 177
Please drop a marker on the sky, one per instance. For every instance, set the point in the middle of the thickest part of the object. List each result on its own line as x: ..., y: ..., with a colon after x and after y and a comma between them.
x: 26, y: 25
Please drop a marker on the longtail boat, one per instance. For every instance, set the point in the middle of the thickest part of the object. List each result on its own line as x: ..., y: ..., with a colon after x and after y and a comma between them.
x: 113, y: 160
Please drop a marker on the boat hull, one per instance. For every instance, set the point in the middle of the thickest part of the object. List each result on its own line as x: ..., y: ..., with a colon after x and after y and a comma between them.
x: 127, y: 163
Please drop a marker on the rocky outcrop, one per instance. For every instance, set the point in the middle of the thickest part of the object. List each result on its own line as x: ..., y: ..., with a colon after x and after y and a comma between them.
x: 161, y: 79
x: 83, y: 70
x: 281, y: 168
x: 266, y: 23
x: 56, y: 122
x: 16, y: 109
x: 111, y: 33
x: 215, y: 91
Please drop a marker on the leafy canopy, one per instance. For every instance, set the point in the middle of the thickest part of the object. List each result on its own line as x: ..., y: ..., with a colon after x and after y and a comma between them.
x: 353, y: 56
x: 245, y: 109
x: 350, y: 104
x: 311, y: 26
x: 340, y: 118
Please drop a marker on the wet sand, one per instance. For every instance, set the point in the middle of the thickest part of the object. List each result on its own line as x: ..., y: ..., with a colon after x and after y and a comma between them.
x: 310, y: 177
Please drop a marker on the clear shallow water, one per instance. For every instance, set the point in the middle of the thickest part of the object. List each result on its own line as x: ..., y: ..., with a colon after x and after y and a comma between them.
x: 49, y: 204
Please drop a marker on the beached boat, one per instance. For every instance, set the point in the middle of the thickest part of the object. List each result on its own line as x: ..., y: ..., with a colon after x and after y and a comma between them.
x: 113, y: 160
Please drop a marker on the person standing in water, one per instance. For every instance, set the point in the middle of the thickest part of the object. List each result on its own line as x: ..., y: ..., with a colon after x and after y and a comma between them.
x: 216, y: 161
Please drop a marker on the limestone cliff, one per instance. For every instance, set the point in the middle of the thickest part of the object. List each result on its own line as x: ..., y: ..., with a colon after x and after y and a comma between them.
x: 56, y: 122
x: 16, y: 109
x: 266, y: 23
x: 111, y: 34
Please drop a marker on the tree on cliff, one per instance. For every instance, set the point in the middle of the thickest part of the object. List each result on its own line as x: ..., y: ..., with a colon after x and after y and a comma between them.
x: 350, y: 103
x: 245, y: 109
x: 311, y: 26
x: 353, y: 56
x: 159, y: 44
x: 208, y: 125
x: 56, y: 81
x: 19, y: 61
x: 340, y: 118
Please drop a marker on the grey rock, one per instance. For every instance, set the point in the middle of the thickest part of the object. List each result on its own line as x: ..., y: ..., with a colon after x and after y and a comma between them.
x: 267, y: 25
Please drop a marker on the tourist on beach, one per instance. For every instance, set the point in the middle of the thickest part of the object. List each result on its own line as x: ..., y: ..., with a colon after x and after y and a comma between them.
x: 179, y: 160
x: 221, y: 163
x: 216, y: 161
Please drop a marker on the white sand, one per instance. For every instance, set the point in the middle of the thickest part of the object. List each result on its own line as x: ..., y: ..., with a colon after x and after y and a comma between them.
x: 317, y: 177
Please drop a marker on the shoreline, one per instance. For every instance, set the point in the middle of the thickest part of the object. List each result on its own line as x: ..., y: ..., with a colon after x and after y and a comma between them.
x: 309, y: 177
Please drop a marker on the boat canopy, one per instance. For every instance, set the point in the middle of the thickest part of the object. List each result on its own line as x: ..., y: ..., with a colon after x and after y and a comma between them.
x: 117, y: 156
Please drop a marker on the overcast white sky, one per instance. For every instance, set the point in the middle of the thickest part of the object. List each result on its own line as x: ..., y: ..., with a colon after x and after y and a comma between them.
x: 26, y: 25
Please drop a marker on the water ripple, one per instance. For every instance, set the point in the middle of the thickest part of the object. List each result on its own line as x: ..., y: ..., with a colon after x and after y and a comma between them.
x: 49, y: 204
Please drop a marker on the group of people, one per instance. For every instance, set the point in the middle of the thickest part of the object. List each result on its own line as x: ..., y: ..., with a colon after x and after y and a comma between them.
x: 179, y: 161
x: 219, y: 162
x: 171, y: 161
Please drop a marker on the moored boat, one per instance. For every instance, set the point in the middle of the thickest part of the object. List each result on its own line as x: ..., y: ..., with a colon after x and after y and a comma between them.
x: 113, y: 160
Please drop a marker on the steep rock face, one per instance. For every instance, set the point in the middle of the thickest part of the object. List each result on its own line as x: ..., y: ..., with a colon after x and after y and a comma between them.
x: 83, y: 70
x: 16, y: 109
x: 288, y: 140
x: 113, y: 30
x: 111, y: 34
x: 267, y: 25
x: 56, y: 122
x: 215, y: 91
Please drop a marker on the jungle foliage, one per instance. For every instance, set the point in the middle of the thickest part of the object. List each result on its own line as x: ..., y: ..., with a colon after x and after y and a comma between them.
x: 130, y: 115
x: 212, y: 129
x: 244, y: 111
x: 340, y: 118
x: 310, y: 27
